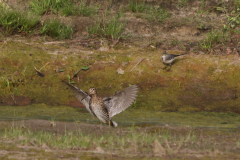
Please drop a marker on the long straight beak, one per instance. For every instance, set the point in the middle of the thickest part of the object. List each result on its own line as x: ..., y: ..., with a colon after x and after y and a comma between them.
x: 85, y: 97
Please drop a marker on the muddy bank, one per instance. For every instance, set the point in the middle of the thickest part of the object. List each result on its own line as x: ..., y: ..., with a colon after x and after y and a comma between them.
x: 206, y: 79
x: 196, y: 82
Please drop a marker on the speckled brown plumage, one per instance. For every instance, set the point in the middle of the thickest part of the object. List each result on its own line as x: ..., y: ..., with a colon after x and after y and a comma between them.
x: 105, y: 108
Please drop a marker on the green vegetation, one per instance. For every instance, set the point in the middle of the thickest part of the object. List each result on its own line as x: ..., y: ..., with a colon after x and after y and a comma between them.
x: 16, y: 74
x: 20, y: 78
x: 230, y: 26
x: 64, y: 7
x: 135, y: 6
x: 13, y: 20
x: 16, y: 21
x: 108, y: 27
x: 111, y: 29
x: 214, y: 38
x: 3, y: 5
x: 80, y: 140
x: 157, y: 14
x: 133, y: 141
x: 182, y: 3
x: 233, y: 19
x: 84, y: 10
x: 68, y: 9
x: 136, y: 115
x: 56, y: 29
x: 150, y: 12
x: 41, y: 7
x: 203, y: 4
x: 201, y: 90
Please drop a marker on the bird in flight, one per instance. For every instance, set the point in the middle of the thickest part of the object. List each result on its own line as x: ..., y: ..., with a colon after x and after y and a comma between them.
x: 105, y: 108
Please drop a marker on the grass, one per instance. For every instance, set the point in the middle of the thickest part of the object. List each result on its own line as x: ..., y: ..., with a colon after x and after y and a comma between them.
x: 64, y: 7
x: 68, y: 9
x: 13, y: 20
x: 27, y: 22
x: 84, y: 10
x: 111, y: 29
x: 135, y: 6
x: 132, y: 141
x: 214, y: 38
x: 56, y: 29
x: 182, y: 3
x: 78, y: 140
x: 233, y: 19
x: 151, y: 13
x: 16, y: 21
x: 3, y: 5
x: 203, y: 4
x: 41, y: 7
x: 157, y: 14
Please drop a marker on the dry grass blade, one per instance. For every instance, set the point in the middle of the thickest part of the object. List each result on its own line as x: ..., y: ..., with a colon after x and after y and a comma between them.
x: 137, y: 64
x: 39, y: 73
x: 158, y: 149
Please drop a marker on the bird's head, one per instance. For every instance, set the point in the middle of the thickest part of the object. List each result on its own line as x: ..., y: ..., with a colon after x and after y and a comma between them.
x: 92, y: 91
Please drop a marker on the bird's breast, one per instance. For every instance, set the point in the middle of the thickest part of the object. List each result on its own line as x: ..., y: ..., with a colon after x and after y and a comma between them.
x: 163, y: 57
x: 96, y: 103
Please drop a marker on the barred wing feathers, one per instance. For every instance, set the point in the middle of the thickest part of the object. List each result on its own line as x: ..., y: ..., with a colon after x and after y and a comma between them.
x: 121, y: 100
x: 79, y: 94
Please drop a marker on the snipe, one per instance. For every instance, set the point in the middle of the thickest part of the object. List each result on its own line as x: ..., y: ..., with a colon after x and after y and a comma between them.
x: 105, y: 108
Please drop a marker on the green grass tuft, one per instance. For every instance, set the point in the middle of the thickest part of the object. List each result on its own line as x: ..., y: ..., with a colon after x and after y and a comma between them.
x: 111, y: 29
x: 41, y: 7
x: 84, y: 10
x: 157, y: 14
x: 214, y: 38
x: 28, y: 22
x: 64, y: 7
x: 68, y: 9
x: 137, y: 7
x: 13, y: 20
x: 56, y: 29
x: 182, y: 3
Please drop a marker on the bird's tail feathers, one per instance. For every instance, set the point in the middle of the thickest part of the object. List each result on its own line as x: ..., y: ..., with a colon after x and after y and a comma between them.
x: 114, y: 124
x: 183, y: 54
x: 180, y: 55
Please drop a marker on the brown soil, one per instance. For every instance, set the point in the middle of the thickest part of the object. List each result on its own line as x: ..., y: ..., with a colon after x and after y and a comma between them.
x: 15, y: 101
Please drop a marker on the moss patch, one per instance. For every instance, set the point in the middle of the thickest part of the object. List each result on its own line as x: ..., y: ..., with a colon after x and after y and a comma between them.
x: 195, y: 83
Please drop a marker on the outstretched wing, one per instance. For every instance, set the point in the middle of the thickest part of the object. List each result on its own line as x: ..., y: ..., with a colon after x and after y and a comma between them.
x: 121, y: 100
x: 79, y: 94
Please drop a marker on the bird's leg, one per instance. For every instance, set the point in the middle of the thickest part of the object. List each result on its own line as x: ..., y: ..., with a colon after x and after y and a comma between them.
x: 109, y: 123
x: 165, y: 67
x: 169, y: 67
